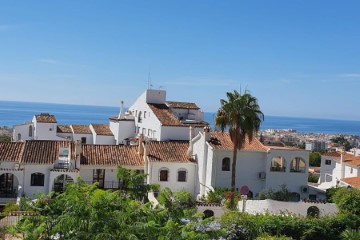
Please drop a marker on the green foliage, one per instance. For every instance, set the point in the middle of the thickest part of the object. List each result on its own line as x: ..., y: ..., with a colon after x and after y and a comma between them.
x: 178, y: 205
x: 282, y: 194
x: 217, y: 195
x: 5, y: 138
x: 315, y: 159
x: 350, y: 234
x: 9, y: 207
x: 347, y: 200
x: 342, y: 141
x: 313, y: 178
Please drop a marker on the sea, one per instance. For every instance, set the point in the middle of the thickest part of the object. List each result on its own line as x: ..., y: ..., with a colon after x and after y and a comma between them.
x: 14, y: 113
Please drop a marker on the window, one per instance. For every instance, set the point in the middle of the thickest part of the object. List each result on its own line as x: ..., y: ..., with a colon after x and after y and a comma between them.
x: 139, y: 117
x: 37, y: 179
x: 99, y: 176
x: 164, y: 175
x: 182, y: 175
x: 19, y: 136
x: 278, y: 164
x: 313, y: 211
x: 312, y: 196
x: 144, y: 114
x: 30, y: 131
x: 149, y: 132
x: 83, y: 140
x: 327, y: 162
x: 351, y: 170
x: 225, y: 164
x: 297, y: 165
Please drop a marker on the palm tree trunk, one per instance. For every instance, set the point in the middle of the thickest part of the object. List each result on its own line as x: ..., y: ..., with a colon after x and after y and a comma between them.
x: 233, y: 174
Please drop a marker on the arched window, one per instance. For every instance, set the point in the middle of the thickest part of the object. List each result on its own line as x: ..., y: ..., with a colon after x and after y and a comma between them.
x: 182, y: 175
x: 37, y: 179
x: 278, y: 164
x: 30, y: 131
x: 297, y: 165
x: 313, y: 211
x: 225, y: 164
x: 19, y: 137
x: 164, y: 175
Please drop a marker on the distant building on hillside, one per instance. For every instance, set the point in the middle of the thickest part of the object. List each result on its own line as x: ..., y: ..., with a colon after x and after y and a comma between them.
x: 316, y: 146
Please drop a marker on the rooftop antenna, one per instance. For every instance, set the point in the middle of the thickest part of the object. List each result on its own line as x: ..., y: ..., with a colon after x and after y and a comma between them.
x: 149, y: 81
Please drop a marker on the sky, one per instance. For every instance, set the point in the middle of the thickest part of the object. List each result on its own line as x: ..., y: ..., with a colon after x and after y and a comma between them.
x: 299, y: 58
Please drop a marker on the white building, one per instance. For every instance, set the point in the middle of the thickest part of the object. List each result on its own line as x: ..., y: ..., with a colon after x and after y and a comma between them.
x: 339, y: 169
x: 257, y: 166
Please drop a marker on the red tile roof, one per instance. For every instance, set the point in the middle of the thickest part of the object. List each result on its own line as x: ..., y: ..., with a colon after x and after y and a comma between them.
x: 81, y: 129
x: 11, y: 151
x: 173, y: 151
x: 186, y: 105
x: 44, y: 152
x: 45, y: 118
x: 167, y: 118
x: 348, y: 158
x: 111, y: 155
x: 222, y: 141
x: 102, y: 129
x: 63, y: 129
x: 353, y: 181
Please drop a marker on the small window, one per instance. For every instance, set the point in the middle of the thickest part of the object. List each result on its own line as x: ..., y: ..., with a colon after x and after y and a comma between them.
x: 182, y: 175
x: 149, y: 132
x: 297, y: 165
x: 144, y: 114
x: 312, y: 196
x: 139, y: 117
x: 327, y: 162
x: 30, y: 131
x: 99, y: 176
x: 19, y: 136
x: 83, y: 140
x: 225, y: 164
x: 351, y: 170
x: 37, y: 179
x: 164, y: 175
x: 278, y: 164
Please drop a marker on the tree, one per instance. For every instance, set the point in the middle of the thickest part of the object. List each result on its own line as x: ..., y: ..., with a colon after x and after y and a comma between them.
x: 315, y: 159
x: 242, y: 116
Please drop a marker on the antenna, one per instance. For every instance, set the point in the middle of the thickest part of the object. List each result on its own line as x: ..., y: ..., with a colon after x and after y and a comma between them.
x: 149, y: 81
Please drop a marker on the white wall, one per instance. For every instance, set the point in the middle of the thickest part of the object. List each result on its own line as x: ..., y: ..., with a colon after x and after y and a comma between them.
x: 89, y: 137
x: 104, y: 140
x: 277, y: 207
x: 31, y: 191
x: 326, y: 169
x: 172, y: 183
x: 23, y: 130
x: 45, y: 131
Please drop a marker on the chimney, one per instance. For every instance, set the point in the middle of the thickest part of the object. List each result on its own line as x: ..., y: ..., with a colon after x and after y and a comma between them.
x: 141, y: 146
x: 190, y: 149
x: 206, y: 133
x: 342, y: 165
x: 121, y: 113
x: 78, y: 146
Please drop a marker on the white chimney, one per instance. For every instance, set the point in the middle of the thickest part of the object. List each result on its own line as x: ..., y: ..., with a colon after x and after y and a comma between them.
x: 121, y: 113
x: 190, y: 149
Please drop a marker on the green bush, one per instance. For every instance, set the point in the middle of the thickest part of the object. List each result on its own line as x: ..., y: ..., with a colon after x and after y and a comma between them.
x: 9, y: 207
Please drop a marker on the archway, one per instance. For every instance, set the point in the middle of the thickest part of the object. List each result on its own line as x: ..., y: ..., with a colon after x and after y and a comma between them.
x: 61, y: 181
x: 313, y: 211
x: 208, y: 213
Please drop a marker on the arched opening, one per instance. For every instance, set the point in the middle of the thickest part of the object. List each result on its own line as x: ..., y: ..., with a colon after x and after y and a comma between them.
x: 208, y: 213
x: 8, y: 185
x: 278, y: 164
x: 61, y: 181
x: 19, y: 137
x: 297, y: 165
x: 37, y: 179
x: 225, y: 166
x: 313, y: 211
x: 250, y: 195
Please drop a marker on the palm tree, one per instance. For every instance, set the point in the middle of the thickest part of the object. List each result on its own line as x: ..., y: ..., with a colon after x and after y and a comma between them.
x: 242, y: 116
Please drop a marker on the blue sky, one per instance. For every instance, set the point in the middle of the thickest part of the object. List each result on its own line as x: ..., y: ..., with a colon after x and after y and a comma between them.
x: 299, y: 58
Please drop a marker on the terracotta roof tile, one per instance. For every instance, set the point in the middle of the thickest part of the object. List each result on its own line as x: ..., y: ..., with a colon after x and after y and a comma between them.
x: 353, y: 181
x: 348, y: 158
x: 44, y: 151
x: 11, y: 151
x: 102, y: 129
x: 173, y: 151
x: 284, y: 148
x: 45, y: 118
x: 167, y: 118
x: 219, y: 140
x: 63, y: 129
x: 81, y: 129
x: 112, y: 155
x: 186, y: 105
